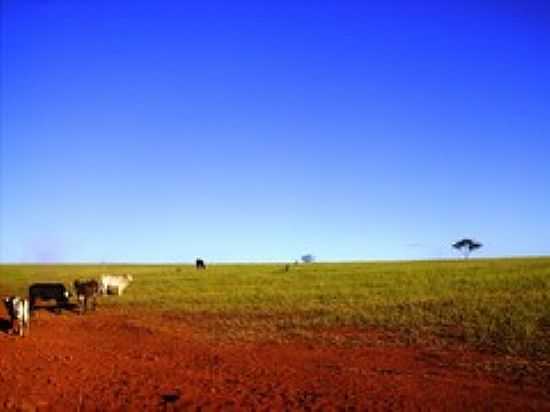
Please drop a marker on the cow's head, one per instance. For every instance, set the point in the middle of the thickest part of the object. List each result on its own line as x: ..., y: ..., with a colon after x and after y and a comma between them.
x: 15, y: 306
x: 8, y: 303
x: 12, y: 301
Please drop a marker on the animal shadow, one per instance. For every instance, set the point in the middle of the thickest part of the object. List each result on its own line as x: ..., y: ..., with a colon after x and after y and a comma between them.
x: 71, y: 307
x: 168, y: 400
x: 5, y: 325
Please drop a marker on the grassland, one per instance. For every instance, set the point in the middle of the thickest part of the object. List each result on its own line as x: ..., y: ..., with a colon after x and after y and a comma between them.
x: 501, y: 304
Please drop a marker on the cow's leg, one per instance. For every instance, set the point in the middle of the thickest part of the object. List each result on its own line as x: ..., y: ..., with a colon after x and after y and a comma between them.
x: 26, y: 317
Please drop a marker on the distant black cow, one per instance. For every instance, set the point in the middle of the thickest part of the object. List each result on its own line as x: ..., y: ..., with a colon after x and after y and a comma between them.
x: 86, y: 292
x: 48, y: 291
x: 199, y: 264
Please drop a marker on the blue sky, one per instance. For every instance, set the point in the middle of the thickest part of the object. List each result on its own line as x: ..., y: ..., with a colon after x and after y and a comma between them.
x: 239, y: 131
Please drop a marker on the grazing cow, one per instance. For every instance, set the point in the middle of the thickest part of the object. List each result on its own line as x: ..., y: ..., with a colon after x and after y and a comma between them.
x: 114, y: 284
x: 49, y: 291
x: 18, y: 311
x: 199, y: 264
x: 86, y: 292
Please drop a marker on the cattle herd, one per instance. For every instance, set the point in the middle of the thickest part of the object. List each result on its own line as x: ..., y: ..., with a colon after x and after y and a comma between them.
x: 19, y: 309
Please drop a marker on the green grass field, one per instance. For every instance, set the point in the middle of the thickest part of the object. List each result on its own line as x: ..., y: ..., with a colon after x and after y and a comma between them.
x: 499, y: 304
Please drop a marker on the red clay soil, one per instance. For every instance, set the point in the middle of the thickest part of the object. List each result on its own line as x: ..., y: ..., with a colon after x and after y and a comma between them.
x: 108, y: 361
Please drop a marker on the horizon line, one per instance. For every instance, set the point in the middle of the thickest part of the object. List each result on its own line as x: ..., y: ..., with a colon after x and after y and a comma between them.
x: 274, y: 262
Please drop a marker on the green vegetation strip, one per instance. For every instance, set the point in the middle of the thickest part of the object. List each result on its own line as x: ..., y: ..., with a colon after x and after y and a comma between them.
x: 503, y: 304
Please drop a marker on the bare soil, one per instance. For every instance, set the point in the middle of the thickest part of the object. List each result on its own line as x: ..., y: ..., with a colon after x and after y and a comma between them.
x: 114, y: 361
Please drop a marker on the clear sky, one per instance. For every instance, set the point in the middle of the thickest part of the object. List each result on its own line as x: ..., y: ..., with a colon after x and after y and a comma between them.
x: 157, y: 131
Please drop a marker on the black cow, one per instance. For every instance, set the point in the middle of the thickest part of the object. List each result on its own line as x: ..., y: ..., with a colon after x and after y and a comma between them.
x: 48, y: 291
x: 86, y: 291
x: 199, y: 264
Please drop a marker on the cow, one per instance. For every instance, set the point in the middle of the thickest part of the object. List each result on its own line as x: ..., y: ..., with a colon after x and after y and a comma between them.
x: 86, y: 291
x: 48, y: 291
x: 18, y: 311
x: 199, y: 264
x: 114, y: 284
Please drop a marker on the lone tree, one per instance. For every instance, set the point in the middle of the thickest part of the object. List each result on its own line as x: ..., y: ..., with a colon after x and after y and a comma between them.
x: 308, y: 258
x: 466, y: 246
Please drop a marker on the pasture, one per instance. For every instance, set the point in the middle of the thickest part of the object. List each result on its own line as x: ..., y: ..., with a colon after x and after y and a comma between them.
x: 347, y: 324
x: 502, y: 304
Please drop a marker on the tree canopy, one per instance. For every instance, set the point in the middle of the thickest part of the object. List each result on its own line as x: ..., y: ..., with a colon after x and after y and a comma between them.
x: 308, y: 258
x: 467, y: 246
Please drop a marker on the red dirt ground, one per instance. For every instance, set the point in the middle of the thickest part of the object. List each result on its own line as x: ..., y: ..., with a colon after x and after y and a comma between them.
x: 109, y: 360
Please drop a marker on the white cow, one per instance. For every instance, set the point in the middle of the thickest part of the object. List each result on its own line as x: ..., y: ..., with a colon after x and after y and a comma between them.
x: 111, y: 284
x: 18, y: 310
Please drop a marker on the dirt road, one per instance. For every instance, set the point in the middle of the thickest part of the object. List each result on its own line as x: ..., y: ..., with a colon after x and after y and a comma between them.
x: 126, y: 362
